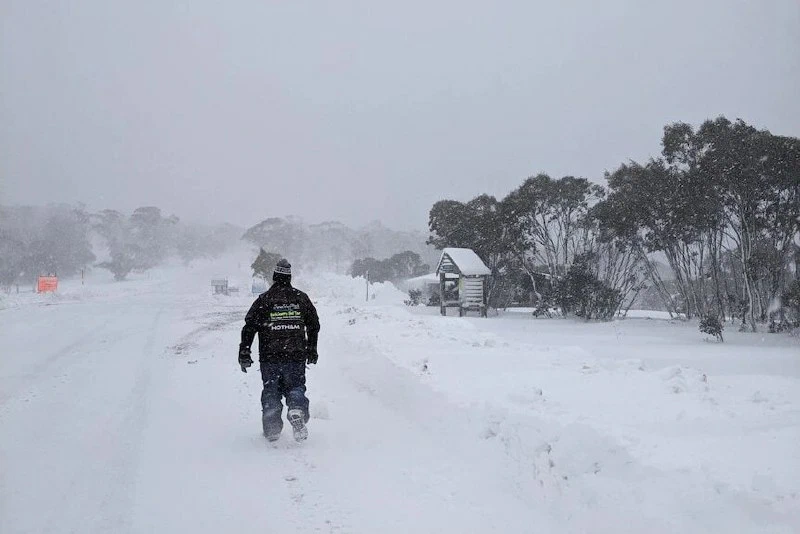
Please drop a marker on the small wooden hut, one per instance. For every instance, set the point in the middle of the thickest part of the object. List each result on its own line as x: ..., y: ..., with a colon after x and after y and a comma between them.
x: 462, y: 281
x: 219, y: 286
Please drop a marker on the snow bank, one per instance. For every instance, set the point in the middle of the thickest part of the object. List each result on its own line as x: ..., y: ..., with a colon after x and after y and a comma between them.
x: 340, y: 289
x: 593, y: 437
x: 650, y: 314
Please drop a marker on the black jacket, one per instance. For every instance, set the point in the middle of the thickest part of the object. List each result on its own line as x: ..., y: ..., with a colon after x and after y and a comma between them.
x: 286, y: 322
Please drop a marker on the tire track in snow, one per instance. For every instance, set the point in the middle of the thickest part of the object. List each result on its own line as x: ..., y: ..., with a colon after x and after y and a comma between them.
x: 112, y: 445
x: 115, y: 508
x: 53, y: 363
x: 83, y: 435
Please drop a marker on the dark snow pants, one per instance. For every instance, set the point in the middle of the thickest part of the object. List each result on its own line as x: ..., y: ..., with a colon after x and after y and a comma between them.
x: 282, y: 379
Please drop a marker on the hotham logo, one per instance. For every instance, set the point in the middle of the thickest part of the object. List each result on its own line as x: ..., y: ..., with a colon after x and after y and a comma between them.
x: 285, y: 327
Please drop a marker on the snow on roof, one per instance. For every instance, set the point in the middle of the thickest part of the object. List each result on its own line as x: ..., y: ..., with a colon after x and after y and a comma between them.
x: 466, y: 260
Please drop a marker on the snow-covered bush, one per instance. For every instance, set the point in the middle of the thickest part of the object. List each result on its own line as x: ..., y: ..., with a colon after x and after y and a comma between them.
x: 791, y: 301
x: 582, y: 293
x: 544, y: 308
x: 786, y: 315
x: 710, y: 324
x: 414, y: 297
x: 122, y: 262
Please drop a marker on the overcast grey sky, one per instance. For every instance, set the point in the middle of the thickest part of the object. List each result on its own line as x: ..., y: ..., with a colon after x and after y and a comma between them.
x: 365, y: 110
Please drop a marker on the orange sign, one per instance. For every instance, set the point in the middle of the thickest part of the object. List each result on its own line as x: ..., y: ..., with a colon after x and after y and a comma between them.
x: 47, y: 284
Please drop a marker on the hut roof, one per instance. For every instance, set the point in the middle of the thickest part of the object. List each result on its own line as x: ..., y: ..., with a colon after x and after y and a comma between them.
x: 465, y: 260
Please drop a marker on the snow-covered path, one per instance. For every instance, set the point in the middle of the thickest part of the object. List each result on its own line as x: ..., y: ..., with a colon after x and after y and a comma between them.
x: 371, y: 464
x: 122, y: 409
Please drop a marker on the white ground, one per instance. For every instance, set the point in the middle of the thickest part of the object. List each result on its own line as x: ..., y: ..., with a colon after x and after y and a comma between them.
x: 122, y: 409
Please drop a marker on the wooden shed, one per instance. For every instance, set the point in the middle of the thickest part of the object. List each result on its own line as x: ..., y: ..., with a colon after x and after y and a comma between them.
x: 463, y: 281
x: 219, y: 286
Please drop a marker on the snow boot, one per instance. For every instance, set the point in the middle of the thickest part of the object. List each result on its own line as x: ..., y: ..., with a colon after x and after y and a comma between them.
x: 271, y: 424
x: 297, y: 420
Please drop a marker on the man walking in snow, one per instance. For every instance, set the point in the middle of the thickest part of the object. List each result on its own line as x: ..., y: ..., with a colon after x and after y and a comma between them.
x: 288, y: 327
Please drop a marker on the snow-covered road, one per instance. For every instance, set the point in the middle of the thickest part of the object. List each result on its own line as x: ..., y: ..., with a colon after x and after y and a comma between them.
x: 122, y: 409
x: 130, y: 415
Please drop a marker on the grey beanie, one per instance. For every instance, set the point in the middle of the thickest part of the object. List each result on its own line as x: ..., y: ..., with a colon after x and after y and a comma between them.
x: 283, y: 267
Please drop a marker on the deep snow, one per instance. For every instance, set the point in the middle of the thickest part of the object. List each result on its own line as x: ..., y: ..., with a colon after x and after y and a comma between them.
x: 122, y: 409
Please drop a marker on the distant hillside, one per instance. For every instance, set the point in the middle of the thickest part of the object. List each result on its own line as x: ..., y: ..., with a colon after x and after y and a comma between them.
x: 333, y: 245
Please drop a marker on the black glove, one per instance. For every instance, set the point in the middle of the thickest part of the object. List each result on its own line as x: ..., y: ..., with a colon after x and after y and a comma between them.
x: 312, y: 356
x: 244, y: 358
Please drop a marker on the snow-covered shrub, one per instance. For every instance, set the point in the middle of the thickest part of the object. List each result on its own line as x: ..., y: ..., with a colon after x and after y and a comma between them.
x: 414, y: 297
x: 122, y: 262
x: 547, y: 302
x: 605, y: 301
x: 582, y: 293
x: 790, y: 300
x: 543, y: 308
x: 710, y: 324
x: 786, y: 316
